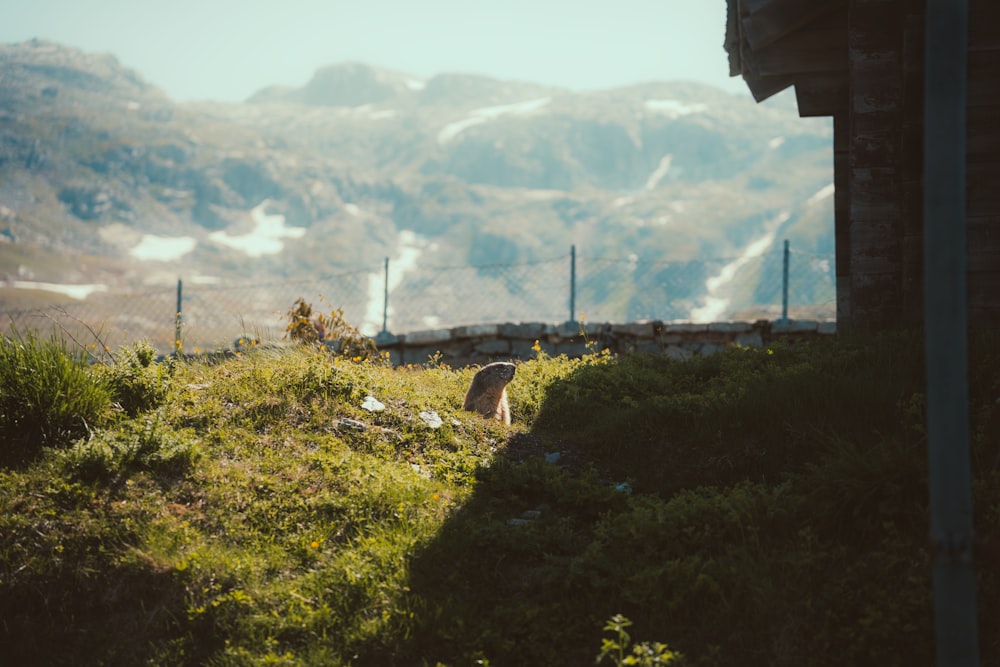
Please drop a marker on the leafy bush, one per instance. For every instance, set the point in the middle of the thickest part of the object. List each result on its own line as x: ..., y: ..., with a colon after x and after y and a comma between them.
x: 48, y: 396
x: 332, y: 333
x: 743, y: 412
x: 137, y: 382
x: 144, y: 444
x: 644, y: 654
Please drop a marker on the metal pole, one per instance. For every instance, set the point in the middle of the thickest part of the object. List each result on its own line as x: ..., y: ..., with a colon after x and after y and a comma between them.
x: 177, y: 322
x: 385, y: 300
x: 784, y: 285
x: 945, y: 331
x: 572, y: 283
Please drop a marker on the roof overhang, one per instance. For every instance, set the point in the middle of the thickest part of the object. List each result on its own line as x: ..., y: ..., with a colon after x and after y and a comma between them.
x: 774, y: 44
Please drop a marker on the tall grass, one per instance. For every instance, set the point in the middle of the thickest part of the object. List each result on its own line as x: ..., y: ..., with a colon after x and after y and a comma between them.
x: 48, y: 396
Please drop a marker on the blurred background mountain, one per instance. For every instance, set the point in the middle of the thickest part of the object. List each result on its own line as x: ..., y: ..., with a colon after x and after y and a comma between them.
x: 105, y: 181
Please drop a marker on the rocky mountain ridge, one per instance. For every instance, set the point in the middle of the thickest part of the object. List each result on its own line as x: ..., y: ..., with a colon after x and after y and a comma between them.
x: 98, y: 168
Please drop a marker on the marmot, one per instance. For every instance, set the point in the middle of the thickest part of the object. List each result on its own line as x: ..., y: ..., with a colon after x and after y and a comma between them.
x: 488, y: 393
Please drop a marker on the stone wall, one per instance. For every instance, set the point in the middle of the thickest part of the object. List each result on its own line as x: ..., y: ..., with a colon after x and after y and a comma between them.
x: 483, y: 343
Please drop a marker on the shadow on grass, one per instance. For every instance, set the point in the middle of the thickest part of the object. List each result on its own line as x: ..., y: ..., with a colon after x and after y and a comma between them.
x: 758, y: 507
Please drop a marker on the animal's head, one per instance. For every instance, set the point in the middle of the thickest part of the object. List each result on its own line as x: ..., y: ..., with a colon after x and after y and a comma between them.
x: 498, y: 373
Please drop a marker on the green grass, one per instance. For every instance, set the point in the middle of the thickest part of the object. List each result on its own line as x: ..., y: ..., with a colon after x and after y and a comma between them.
x: 757, y: 507
x: 47, y: 395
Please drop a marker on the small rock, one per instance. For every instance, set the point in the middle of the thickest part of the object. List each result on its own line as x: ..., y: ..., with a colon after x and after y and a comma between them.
x: 372, y: 404
x: 553, y: 457
x: 518, y: 522
x: 431, y: 418
x: 352, y: 424
x: 531, y: 514
x: 624, y: 487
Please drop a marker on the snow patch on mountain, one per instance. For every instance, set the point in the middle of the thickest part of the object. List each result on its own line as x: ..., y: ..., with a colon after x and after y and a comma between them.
x: 78, y: 292
x: 479, y: 116
x: 821, y: 194
x: 674, y: 108
x: 716, y: 301
x: 660, y: 171
x: 265, y: 239
x: 162, y: 248
x: 411, y: 247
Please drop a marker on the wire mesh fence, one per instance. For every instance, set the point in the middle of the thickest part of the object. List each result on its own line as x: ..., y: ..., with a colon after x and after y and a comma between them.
x: 400, y: 299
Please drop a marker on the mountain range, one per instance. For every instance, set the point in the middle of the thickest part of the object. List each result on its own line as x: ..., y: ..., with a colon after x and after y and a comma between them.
x: 105, y: 181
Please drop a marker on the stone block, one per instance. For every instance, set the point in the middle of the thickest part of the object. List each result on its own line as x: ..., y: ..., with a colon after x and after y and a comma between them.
x: 749, y: 339
x: 637, y: 329
x: 669, y: 339
x: 476, y: 331
x: 685, y: 327
x: 428, y: 337
x: 794, y: 326
x: 568, y: 330
x: 495, y: 346
x: 827, y: 328
x: 730, y: 327
x: 385, y: 339
x: 593, y: 329
x: 524, y: 330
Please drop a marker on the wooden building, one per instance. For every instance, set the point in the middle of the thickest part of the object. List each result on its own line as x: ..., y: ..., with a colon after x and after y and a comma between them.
x: 861, y: 62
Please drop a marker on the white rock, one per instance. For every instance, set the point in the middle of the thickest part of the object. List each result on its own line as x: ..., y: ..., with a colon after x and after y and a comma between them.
x: 372, y: 404
x: 431, y: 418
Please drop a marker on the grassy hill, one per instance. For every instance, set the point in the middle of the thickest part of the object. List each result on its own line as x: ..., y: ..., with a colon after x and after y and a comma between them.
x: 755, y: 507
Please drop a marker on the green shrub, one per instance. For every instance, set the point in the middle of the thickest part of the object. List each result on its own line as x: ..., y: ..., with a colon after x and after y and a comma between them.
x: 132, y: 445
x: 644, y: 654
x: 742, y: 413
x: 48, y: 396
x: 136, y: 381
x: 334, y: 333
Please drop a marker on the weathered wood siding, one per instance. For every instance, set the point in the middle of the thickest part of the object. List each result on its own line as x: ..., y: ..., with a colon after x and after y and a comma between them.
x: 876, y: 104
x: 862, y: 62
x: 983, y: 167
x: 912, y: 164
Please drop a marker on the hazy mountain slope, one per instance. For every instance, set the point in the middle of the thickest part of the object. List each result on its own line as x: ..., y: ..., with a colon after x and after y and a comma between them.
x: 104, y: 179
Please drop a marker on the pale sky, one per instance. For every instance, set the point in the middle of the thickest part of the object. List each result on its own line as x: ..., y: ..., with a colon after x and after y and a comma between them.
x: 228, y: 49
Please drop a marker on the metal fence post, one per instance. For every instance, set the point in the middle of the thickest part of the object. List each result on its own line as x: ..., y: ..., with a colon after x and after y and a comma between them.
x: 572, y: 283
x: 177, y: 322
x: 784, y: 284
x: 385, y: 300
